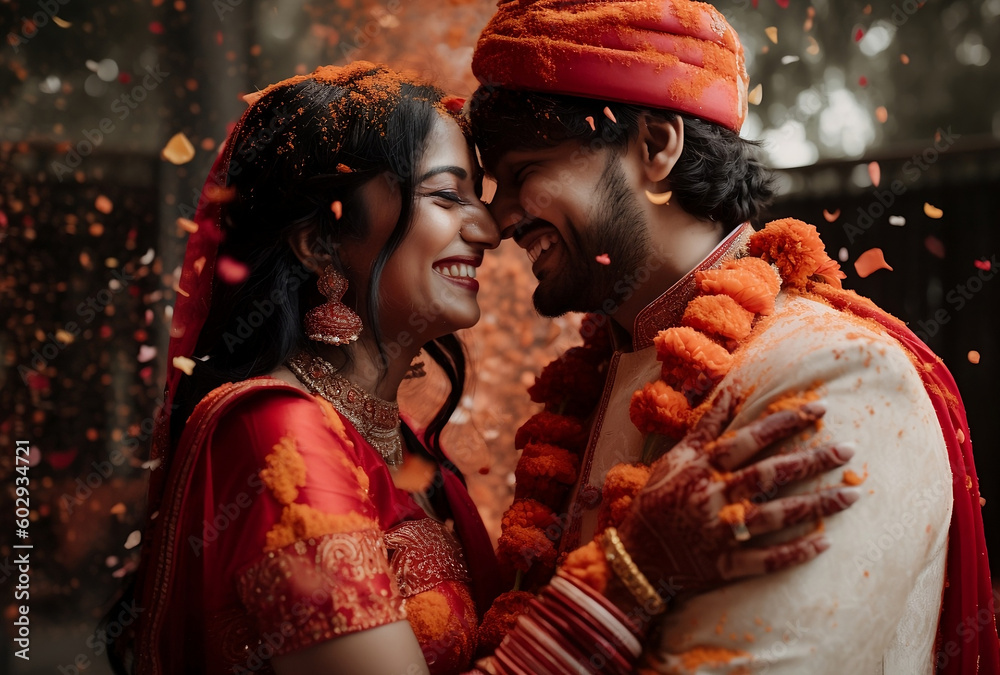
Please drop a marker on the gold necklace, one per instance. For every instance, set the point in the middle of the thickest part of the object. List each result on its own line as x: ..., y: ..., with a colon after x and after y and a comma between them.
x: 376, y: 419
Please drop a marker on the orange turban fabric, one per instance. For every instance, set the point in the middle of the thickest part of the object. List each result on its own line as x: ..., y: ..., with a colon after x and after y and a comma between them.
x: 675, y: 55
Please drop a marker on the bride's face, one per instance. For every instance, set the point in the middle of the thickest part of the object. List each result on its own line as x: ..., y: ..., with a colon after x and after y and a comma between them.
x: 428, y: 287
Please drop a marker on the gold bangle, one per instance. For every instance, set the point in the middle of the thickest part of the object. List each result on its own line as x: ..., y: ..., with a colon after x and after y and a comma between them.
x: 630, y: 574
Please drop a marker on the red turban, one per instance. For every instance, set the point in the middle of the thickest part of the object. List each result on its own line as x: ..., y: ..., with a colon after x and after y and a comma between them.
x: 670, y: 54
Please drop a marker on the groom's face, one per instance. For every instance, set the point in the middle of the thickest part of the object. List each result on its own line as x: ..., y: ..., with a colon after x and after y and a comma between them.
x: 575, y: 213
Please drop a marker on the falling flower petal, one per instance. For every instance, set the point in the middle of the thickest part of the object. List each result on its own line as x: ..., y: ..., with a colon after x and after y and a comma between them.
x: 756, y: 95
x: 62, y: 23
x: 830, y: 217
x: 184, y: 364
x: 983, y: 265
x: 843, y: 254
x: 337, y: 208
x: 659, y: 198
x: 252, y: 97
x: 67, y: 338
x: 858, y: 34
x: 881, y: 114
x: 791, y: 58
x: 973, y: 357
x: 904, y: 58
x: 152, y: 464
x: 610, y: 115
x: 935, y: 246
x: 199, y: 265
x: 863, y: 81
x: 870, y: 261
x: 117, y: 509
x: 178, y: 150
x: 230, y: 270
x: 603, y: 259
x: 875, y: 173
x: 147, y: 257
x: 813, y: 47
x: 133, y: 539
x: 867, y: 9
x: 932, y: 211
x: 590, y: 121
x: 453, y: 103
x: 187, y: 225
x: 146, y: 353
x: 898, y: 221
x: 772, y: 33
x: 103, y: 204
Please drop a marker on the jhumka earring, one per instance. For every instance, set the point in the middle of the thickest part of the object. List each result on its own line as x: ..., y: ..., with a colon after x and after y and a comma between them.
x: 332, y: 322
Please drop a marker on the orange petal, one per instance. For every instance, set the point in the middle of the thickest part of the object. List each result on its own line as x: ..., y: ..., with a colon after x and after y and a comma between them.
x: 881, y: 114
x: 756, y: 95
x: 875, y: 173
x: 603, y: 259
x: 830, y: 217
x: 973, y: 357
x: 932, y: 211
x: 178, y: 150
x: 870, y: 261
x: 103, y: 204
x: 772, y: 33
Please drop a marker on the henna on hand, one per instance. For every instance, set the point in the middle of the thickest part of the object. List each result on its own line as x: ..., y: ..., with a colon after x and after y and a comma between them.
x: 674, y: 532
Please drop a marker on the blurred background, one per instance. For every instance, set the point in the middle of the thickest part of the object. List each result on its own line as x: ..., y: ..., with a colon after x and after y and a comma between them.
x: 883, y: 120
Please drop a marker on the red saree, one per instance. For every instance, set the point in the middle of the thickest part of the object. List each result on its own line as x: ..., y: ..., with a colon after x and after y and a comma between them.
x: 279, y: 527
x: 967, y: 634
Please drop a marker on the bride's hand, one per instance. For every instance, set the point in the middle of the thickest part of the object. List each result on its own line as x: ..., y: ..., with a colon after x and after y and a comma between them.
x: 702, y: 499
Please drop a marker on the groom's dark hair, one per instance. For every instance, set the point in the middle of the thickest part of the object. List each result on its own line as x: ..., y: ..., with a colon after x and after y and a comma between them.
x: 718, y: 175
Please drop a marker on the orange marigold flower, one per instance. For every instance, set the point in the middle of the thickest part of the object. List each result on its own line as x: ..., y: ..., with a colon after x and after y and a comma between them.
x: 528, y: 512
x: 719, y: 315
x: 521, y: 547
x: 613, y: 513
x: 658, y: 408
x: 547, y: 427
x: 572, y: 383
x: 749, y: 281
x: 589, y: 565
x: 545, y: 473
x: 625, y: 480
x: 691, y: 360
x: 501, y: 618
x: 797, y: 250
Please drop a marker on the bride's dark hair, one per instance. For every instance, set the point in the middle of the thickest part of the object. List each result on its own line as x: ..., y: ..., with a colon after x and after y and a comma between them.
x: 303, y: 145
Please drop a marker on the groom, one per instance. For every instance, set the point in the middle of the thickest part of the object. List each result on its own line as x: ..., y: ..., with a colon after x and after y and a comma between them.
x: 611, y: 128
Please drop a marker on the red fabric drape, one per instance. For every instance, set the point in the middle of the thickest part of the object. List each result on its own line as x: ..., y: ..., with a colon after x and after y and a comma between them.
x: 967, y: 635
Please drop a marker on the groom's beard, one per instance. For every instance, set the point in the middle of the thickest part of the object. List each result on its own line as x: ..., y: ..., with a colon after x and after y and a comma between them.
x: 616, y: 228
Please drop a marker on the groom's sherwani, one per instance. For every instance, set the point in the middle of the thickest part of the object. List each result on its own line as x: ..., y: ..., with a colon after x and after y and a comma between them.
x: 871, y: 603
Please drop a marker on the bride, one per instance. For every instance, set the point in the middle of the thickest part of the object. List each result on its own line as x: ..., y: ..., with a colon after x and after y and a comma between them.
x: 340, y: 233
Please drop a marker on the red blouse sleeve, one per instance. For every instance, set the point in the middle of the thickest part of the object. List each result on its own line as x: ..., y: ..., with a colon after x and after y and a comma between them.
x: 309, y: 560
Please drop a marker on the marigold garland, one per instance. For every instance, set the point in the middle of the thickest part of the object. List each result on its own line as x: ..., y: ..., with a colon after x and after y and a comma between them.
x: 695, y: 356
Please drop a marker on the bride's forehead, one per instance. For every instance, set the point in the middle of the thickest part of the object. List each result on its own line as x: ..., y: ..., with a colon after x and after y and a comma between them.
x: 446, y: 144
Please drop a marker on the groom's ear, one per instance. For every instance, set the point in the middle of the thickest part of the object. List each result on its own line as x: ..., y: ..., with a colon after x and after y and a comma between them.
x: 661, y: 142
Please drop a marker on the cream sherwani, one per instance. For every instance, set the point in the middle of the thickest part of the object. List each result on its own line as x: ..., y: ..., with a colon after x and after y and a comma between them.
x: 870, y: 604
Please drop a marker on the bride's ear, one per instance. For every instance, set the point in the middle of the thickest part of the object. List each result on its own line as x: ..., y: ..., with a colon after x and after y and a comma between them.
x: 305, y: 244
